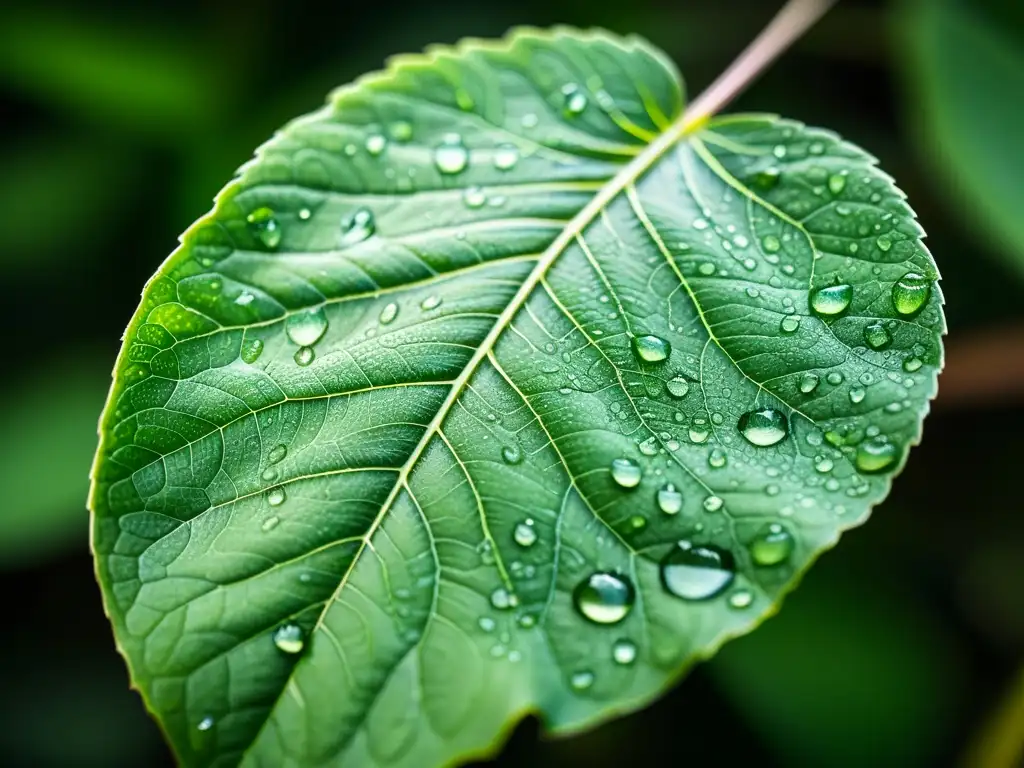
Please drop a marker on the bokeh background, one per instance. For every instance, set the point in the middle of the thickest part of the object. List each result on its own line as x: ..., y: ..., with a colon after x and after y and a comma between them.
x: 903, y: 647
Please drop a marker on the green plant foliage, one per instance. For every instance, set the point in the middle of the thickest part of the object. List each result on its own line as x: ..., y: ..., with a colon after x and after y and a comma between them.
x: 490, y: 388
x: 963, y: 61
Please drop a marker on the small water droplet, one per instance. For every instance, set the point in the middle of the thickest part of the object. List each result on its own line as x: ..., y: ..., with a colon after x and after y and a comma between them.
x: 304, y: 356
x: 575, y: 100
x: 857, y: 395
x: 511, y: 454
x: 677, y: 386
x: 290, y: 638
x: 699, y: 223
x: 529, y: 120
x: 451, y: 156
x: 651, y: 349
x: 836, y: 183
x: 358, y: 228
x: 277, y: 454
x: 763, y: 427
x: 251, y: 350
x: 771, y: 244
x: 809, y: 383
x: 502, y: 599
x: 400, y: 130
x: 276, y: 496
x: 505, y: 157
x: 624, y: 651
x: 580, y: 681
x: 486, y: 623
x: 835, y: 378
x: 604, y: 598
x: 717, y: 458
x: 375, y: 144
x: 741, y: 598
x: 670, y: 501
x: 388, y: 314
x: 205, y: 724
x: 910, y: 293
x: 884, y: 242
x: 696, y: 572
x: 431, y: 302
x: 876, y: 455
x: 779, y: 150
x: 772, y: 545
x: 876, y: 335
x: 789, y: 324
x: 713, y: 503
x: 626, y: 473
x: 525, y: 535
x: 474, y: 197
x: 306, y: 327
x: 265, y: 226
x: 823, y: 464
x: 270, y: 523
x: 831, y: 300
x: 912, y: 364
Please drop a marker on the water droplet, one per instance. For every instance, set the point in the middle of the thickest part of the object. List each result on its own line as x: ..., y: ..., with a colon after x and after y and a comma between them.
x: 205, y: 724
x: 717, y: 458
x: 789, y: 323
x: 648, y: 447
x: 670, y: 501
x: 474, y: 197
x: 637, y: 523
x: 763, y: 427
x: 779, y: 151
x: 505, y: 157
x: 831, y: 300
x: 626, y: 473
x: 696, y: 572
x: 699, y: 223
x: 604, y: 598
x: 677, y: 386
x: 277, y: 454
x: 771, y: 244
x: 375, y: 144
x: 698, y: 433
x: 388, y: 314
x: 836, y: 183
x: 706, y: 269
x: 306, y: 327
x: 876, y: 335
x: 529, y: 120
x: 304, y: 356
x: 575, y: 99
x: 265, y: 226
x: 486, y: 623
x: 910, y: 293
x: 251, y: 350
x: 400, y: 130
x: 772, y: 545
x: 912, y: 364
x: 713, y: 503
x: 857, y: 395
x: 290, y: 638
x: 358, y: 228
x: 809, y: 383
x: 651, y: 349
x: 823, y: 464
x: 270, y: 523
x: 451, y: 155
x: 276, y: 496
x: 624, y: 651
x: 431, y: 302
x: 876, y: 455
x: 834, y: 378
x: 511, y: 454
x: 525, y: 535
x: 883, y: 242
x: 502, y: 599
x: 580, y: 681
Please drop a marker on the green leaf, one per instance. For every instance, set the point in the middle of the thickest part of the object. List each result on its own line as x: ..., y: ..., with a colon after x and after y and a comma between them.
x: 436, y: 419
x: 963, y: 68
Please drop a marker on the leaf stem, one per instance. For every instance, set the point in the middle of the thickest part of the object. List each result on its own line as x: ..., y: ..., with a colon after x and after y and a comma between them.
x: 789, y: 24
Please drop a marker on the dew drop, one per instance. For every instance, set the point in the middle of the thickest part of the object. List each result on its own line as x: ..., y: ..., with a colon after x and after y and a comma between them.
x: 717, y: 458
x: 511, y: 454
x: 624, y: 652
x: 431, y: 302
x: 912, y: 364
x: 713, y: 503
x: 525, y: 535
x: 677, y: 386
x: 304, y: 356
x: 580, y: 681
x: 772, y: 545
x: 375, y: 144
x: 270, y: 523
x: 251, y: 350
x: 790, y: 323
x: 771, y: 244
x: 857, y: 395
x: 305, y: 213
x: 305, y: 328
x: 883, y: 242
x: 834, y: 378
x: 358, y: 228
x: 400, y: 130
x: 486, y: 623
x: 474, y: 197
x: 604, y: 598
x: 265, y: 226
x: 809, y: 383
x: 696, y: 572
x: 876, y: 455
x: 831, y: 300
x: 741, y: 598
x: 388, y: 314
x: 763, y: 427
x: 670, y: 501
x: 502, y: 599
x: 290, y: 639
x: 276, y: 496
x: 205, y: 724
x: 876, y: 335
x: 451, y: 156
x: 575, y: 100
x: 651, y: 349
x: 910, y: 293
x: 626, y: 473
x: 836, y: 183
x: 277, y: 454
x: 505, y: 157
x: 823, y: 464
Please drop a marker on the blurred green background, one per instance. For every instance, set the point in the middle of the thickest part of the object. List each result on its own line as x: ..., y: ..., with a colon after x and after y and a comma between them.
x: 903, y: 647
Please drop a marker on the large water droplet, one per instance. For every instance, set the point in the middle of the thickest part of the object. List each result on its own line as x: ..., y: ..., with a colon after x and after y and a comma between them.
x: 604, y: 598
x: 836, y: 183
x: 251, y: 350
x: 884, y: 242
x: 677, y: 386
x: 388, y: 314
x: 696, y: 572
x: 575, y: 100
x: 306, y: 327
x: 451, y: 155
x: 265, y: 226
x: 290, y: 638
x: 358, y: 228
x: 651, y: 349
x: 626, y: 473
x: 876, y: 335
x: 525, y: 535
x: 790, y: 324
x: 831, y: 300
x: 670, y: 501
x: 624, y: 651
x: 877, y: 455
x: 505, y: 157
x: 276, y: 496
x: 772, y: 545
x: 771, y: 244
x: 502, y: 599
x: 763, y: 427
x: 277, y: 454
x: 910, y: 293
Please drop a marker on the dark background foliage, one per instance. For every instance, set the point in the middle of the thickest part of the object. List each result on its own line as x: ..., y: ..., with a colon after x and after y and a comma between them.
x: 902, y: 647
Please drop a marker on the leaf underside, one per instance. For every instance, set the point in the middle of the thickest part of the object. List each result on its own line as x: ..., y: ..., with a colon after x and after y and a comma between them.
x: 358, y: 455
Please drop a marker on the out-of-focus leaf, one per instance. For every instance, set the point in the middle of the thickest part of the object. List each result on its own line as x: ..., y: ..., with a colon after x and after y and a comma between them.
x: 46, y: 180
x: 49, y: 435
x: 122, y: 75
x: 850, y: 673
x: 964, y: 69
x: 1000, y: 743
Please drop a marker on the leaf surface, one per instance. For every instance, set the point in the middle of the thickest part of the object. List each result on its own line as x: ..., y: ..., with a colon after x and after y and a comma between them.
x: 494, y: 387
